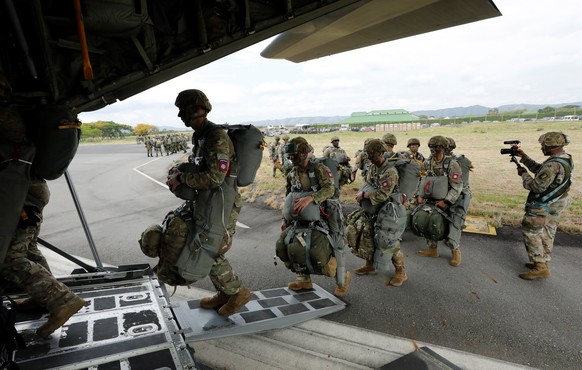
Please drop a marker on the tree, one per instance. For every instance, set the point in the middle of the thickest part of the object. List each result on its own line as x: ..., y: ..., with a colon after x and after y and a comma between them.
x: 144, y: 129
x: 547, y: 109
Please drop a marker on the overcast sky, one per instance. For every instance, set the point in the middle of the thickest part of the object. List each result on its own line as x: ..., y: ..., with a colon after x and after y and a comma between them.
x: 531, y: 54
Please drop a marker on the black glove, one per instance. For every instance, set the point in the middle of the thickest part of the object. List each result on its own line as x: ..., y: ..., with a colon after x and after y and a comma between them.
x: 521, y: 170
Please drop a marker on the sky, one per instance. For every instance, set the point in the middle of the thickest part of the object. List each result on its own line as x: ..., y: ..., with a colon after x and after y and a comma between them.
x: 531, y: 55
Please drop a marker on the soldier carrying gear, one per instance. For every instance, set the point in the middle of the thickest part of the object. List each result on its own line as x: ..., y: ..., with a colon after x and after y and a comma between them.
x: 335, y: 152
x: 383, y: 214
x: 412, y: 141
x: 312, y: 239
x: 275, y: 156
x: 216, y: 207
x: 548, y: 197
x: 439, y: 191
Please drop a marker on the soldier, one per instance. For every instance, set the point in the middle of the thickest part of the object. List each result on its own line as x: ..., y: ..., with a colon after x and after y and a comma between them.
x: 461, y: 207
x: 335, y: 152
x: 378, y: 198
x: 284, y: 158
x: 412, y: 152
x: 409, y: 170
x: 320, y: 240
x: 149, y: 146
x: 548, y: 197
x: 213, y: 152
x: 274, y: 155
x: 362, y: 162
x: 445, y: 176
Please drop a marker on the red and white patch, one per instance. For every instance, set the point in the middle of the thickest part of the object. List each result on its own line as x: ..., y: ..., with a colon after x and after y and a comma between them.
x: 329, y: 174
x: 222, y: 165
x: 385, y: 184
x: 456, y: 176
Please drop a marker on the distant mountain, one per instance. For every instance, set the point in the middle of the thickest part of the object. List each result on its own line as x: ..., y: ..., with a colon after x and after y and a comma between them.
x: 293, y: 121
x: 479, y: 110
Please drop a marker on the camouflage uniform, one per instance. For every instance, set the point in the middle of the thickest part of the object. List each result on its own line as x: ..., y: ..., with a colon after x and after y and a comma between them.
x: 275, y: 156
x: 343, y: 159
x: 455, y: 180
x: 26, y: 266
x: 214, y: 151
x: 540, y: 221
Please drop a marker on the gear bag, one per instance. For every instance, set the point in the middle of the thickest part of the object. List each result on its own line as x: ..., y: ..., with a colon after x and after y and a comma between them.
x: 56, y: 137
x: 390, y: 223
x: 333, y: 166
x: 360, y: 234
x: 299, y: 241
x: 429, y: 221
x: 366, y: 203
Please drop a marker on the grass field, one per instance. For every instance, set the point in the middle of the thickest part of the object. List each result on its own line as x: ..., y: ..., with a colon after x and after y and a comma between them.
x: 498, y: 194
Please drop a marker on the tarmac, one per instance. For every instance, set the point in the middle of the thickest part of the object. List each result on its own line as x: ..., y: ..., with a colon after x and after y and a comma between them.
x: 314, y: 344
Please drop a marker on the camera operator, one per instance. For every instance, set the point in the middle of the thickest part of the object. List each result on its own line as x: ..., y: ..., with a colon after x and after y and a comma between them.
x: 548, y: 198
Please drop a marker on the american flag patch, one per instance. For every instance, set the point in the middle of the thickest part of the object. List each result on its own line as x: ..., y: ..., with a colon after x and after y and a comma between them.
x: 222, y: 165
x: 455, y: 176
x: 329, y: 174
x: 385, y: 184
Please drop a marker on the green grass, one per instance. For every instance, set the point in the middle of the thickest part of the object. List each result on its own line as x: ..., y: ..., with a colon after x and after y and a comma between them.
x: 498, y: 194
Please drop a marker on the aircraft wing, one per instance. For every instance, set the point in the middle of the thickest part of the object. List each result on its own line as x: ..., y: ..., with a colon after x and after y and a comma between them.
x: 86, y: 54
x: 373, y: 22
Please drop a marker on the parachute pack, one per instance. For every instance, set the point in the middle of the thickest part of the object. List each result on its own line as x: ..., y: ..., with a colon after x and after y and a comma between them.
x: 249, y: 144
x: 429, y: 221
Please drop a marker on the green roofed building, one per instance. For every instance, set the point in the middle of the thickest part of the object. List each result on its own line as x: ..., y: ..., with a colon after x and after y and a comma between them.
x: 379, y: 117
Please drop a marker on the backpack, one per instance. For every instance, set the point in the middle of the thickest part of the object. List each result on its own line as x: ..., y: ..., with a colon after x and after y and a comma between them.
x: 360, y: 234
x: 249, y: 143
x: 296, y: 243
x: 10, y: 339
x: 429, y: 221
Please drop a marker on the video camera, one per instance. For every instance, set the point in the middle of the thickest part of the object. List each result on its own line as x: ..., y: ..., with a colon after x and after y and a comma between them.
x: 511, y: 151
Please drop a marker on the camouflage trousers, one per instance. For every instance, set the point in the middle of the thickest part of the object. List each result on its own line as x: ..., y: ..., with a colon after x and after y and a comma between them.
x: 25, y: 269
x: 221, y: 274
x: 539, y: 227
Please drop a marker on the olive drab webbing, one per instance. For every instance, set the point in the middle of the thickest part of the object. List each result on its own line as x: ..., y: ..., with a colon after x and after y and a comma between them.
x: 550, y: 196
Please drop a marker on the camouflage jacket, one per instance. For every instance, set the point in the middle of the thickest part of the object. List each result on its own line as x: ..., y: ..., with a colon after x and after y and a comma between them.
x: 322, y: 181
x: 383, y: 179
x: 338, y: 154
x: 548, y: 175
x: 213, y: 151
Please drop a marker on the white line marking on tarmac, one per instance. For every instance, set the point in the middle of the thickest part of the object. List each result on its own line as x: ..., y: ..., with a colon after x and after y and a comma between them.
x: 136, y: 169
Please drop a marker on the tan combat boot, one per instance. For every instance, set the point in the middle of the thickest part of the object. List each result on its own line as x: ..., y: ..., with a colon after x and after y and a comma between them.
x: 429, y: 252
x: 400, y: 274
x: 302, y: 282
x: 367, y: 269
x: 456, y: 258
x: 540, y: 271
x: 530, y: 265
x: 216, y: 300
x: 341, y: 290
x: 331, y: 267
x: 60, y: 316
x: 235, y: 302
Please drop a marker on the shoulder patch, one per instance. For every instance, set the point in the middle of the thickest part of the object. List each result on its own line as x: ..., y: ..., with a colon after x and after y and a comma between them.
x: 456, y: 176
x: 222, y: 165
x: 329, y: 174
x: 385, y: 184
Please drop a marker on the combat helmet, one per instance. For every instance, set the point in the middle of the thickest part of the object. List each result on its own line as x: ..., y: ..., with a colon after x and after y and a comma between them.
x: 412, y: 141
x: 438, y: 140
x: 277, y: 137
x: 151, y: 241
x: 554, y: 138
x: 334, y: 138
x: 389, y: 138
x: 194, y: 97
x: 285, y: 137
x: 374, y: 145
x: 297, y: 145
x: 452, y: 144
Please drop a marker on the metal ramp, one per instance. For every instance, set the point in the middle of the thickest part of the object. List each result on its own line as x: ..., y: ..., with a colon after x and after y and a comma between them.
x: 129, y: 323
x: 267, y: 309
